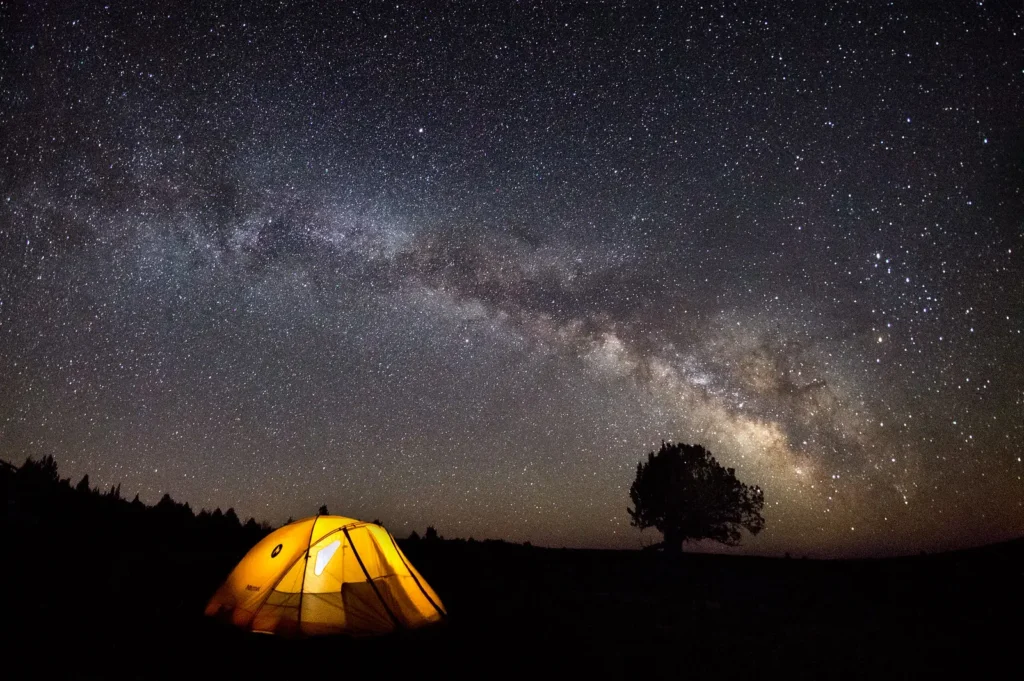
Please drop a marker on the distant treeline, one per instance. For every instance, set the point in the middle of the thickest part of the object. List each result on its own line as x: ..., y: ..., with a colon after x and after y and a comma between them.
x: 431, y: 536
x: 36, y: 498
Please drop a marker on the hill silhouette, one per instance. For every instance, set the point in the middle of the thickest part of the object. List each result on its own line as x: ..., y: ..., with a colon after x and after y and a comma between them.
x: 112, y: 588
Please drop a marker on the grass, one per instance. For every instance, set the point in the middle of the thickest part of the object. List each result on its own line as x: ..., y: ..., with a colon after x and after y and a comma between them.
x: 83, y: 610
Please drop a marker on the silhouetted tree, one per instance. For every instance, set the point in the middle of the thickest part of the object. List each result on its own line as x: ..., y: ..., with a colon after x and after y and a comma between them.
x: 414, y: 536
x: 431, y: 534
x: 323, y: 510
x: 683, y: 492
x: 377, y: 522
x: 39, y: 473
x: 34, y: 496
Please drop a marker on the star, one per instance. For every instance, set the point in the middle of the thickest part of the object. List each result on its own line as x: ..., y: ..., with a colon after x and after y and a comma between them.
x: 230, y: 271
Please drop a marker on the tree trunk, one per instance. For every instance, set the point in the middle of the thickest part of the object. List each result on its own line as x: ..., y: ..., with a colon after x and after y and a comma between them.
x: 673, y: 542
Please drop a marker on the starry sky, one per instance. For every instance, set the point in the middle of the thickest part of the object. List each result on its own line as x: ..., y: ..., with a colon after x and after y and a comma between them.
x: 464, y: 264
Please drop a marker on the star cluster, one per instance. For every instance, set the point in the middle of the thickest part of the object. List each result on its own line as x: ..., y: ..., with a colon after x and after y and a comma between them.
x: 464, y: 265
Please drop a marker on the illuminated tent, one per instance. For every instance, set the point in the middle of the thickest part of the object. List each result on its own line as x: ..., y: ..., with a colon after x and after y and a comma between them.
x: 326, y: 575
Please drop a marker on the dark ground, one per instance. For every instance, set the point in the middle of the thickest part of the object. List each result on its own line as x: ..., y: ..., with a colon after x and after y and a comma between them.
x: 78, y: 608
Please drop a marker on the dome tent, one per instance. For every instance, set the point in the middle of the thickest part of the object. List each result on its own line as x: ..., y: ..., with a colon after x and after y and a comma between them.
x: 326, y: 575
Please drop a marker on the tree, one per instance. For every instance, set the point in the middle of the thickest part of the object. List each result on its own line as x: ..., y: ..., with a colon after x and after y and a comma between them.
x: 431, y: 534
x: 166, y: 503
x: 39, y: 473
x: 686, y: 495
x: 323, y: 510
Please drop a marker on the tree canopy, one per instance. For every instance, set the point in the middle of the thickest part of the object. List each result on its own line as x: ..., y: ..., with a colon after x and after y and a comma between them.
x: 684, y: 493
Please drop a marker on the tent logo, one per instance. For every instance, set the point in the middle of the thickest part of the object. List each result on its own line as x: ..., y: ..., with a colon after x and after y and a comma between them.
x: 324, y: 555
x: 277, y: 550
x: 250, y: 587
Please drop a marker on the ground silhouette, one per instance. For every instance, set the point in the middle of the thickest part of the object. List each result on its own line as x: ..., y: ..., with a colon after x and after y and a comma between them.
x: 101, y: 587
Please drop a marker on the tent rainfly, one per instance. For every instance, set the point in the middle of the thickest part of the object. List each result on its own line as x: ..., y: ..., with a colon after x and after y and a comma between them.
x: 326, y: 575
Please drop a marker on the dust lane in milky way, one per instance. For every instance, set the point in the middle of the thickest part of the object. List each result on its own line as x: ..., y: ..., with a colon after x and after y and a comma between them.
x: 466, y: 266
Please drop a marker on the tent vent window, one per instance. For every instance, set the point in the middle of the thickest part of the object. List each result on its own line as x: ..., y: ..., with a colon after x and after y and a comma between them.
x: 323, y: 557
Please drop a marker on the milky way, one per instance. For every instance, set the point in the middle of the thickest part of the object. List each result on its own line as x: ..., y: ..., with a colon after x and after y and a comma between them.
x: 464, y: 267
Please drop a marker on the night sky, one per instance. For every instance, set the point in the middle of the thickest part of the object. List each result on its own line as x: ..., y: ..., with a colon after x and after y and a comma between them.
x: 465, y: 266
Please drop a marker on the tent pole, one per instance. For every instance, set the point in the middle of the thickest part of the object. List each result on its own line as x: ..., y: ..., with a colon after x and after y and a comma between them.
x: 305, y: 568
x: 398, y: 625
x: 413, y: 575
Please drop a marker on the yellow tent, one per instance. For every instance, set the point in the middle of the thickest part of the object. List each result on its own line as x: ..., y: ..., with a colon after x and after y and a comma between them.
x: 326, y: 575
